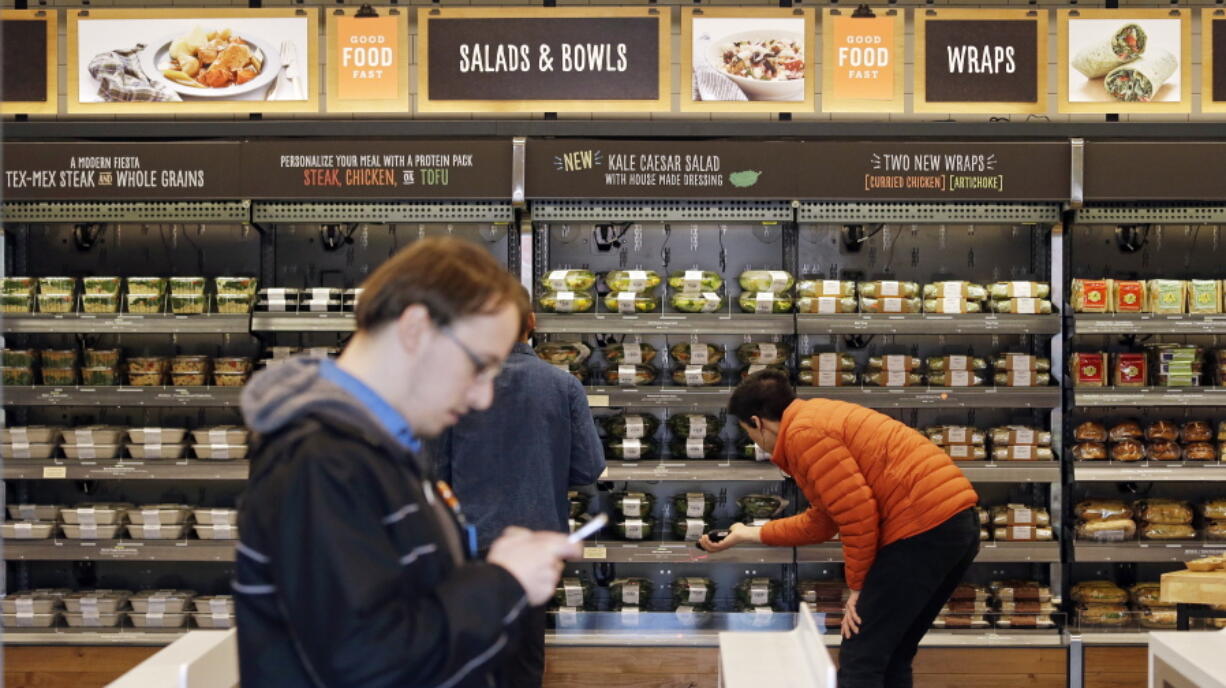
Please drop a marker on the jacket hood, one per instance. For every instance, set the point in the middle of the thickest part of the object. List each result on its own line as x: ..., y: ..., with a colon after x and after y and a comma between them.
x: 286, y: 392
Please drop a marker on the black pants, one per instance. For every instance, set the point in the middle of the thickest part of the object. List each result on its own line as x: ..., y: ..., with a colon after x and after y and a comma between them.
x: 903, y: 593
x: 524, y: 665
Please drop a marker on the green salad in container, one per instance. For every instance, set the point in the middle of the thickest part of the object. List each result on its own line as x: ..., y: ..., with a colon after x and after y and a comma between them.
x: 55, y: 303
x: 100, y: 303
x: 17, y: 375
x: 102, y: 285
x: 774, y: 281
x: 637, y: 281
x: 634, y: 504
x: 567, y: 302
x: 147, y: 286
x: 761, y: 505
x: 57, y: 285
x: 630, y: 592
x: 694, y: 281
x: 17, y: 285
x: 59, y: 358
x: 18, y: 358
x: 569, y: 280
x: 701, y: 302
x: 187, y: 286
x: 683, y: 425
x: 145, y: 304
x: 631, y: 425
x: 60, y: 376
x: 16, y: 303
x: 187, y: 304
x: 236, y: 286
x: 628, y: 302
x: 765, y: 302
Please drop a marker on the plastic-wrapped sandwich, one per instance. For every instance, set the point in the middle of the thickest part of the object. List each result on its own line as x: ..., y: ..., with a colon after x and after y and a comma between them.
x: 1139, y: 81
x: 1125, y: 44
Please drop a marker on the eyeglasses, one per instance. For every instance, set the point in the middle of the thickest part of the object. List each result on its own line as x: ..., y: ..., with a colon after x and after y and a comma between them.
x: 482, y: 369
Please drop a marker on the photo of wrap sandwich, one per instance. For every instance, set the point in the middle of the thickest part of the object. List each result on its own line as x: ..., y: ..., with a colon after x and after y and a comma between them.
x: 1124, y: 60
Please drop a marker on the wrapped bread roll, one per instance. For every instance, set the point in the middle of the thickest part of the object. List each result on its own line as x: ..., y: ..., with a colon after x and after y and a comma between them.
x: 893, y: 378
x: 1126, y: 430
x: 828, y: 361
x: 955, y: 378
x: 825, y: 305
x: 952, y: 306
x: 1215, y: 530
x: 1000, y: 291
x: 967, y: 452
x: 955, y: 290
x: 1124, y: 45
x: 1023, y: 452
x: 1021, y: 378
x: 1107, y: 530
x: 1214, y: 563
x: 1103, y: 615
x: 894, y: 362
x: 1101, y: 592
x: 1023, y: 534
x: 1128, y: 450
x: 1013, y: 361
x: 1020, y: 434
x: 1090, y: 451
x: 1214, y: 509
x: 941, y: 364
x: 891, y: 304
x: 1090, y: 431
x: 1164, y: 531
x: 946, y: 435
x: 888, y: 288
x: 1163, y: 511
x: 1139, y: 81
x: 1092, y: 509
x: 826, y: 378
x: 1020, y: 515
x: 1023, y: 306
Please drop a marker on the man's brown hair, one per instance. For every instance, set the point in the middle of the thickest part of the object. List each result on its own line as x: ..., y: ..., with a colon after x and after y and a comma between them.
x: 452, y: 278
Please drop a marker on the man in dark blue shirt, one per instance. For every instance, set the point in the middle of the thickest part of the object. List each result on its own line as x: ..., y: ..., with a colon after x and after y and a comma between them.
x: 512, y: 465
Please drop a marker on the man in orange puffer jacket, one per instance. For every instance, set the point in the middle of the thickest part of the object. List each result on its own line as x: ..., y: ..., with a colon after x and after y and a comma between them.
x: 903, y: 511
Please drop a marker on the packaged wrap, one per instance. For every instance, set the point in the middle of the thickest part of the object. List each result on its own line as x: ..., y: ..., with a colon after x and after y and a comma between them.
x: 955, y: 289
x: 888, y: 288
x: 1107, y: 530
x: 1021, y: 378
x: 575, y: 592
x: 1159, y: 619
x: 1090, y: 451
x: 630, y: 375
x: 764, y: 353
x: 697, y: 354
x: 690, y: 529
x: 701, y: 302
x: 1214, y: 509
x: 1089, y: 369
x: 629, y: 354
x: 1090, y: 431
x: 1139, y: 80
x: 1091, y: 296
x: 695, y: 281
x: 967, y: 452
x: 1023, y: 452
x: 567, y: 302
x: 758, y: 592
x: 1167, y: 296
x: 946, y: 435
x: 1125, y: 44
x: 1020, y: 515
x: 941, y: 364
x: 773, y: 281
x: 1163, y: 511
x: 631, y: 426
x: 891, y: 304
x: 1128, y: 296
x: 1098, y: 592
x: 1015, y: 361
x: 698, y: 376
x: 1020, y: 435
x: 893, y: 378
x: 765, y: 302
x: 956, y: 378
x: 694, y: 504
x: 829, y: 361
x: 630, y: 302
x: 1105, y: 615
x: 631, y: 450
x: 1162, y: 531
x: 1002, y: 291
x: 1023, y: 534
x: 895, y: 362
x: 1204, y: 297
x: 825, y: 305
x: 952, y: 306
x: 636, y: 528
x: 826, y: 288
x: 563, y: 353
x: 826, y: 378
x: 969, y: 592
x: 1023, y: 306
x: 1146, y: 594
x: 632, y: 281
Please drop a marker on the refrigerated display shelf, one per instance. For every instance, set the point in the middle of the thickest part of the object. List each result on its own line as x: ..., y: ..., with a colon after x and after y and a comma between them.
x: 1096, y: 471
x: 124, y: 323
x: 939, y: 397
x: 94, y: 636
x: 119, y: 550
x: 927, y: 324
x: 699, y: 471
x: 121, y: 396
x: 667, y: 323
x: 681, y: 553
x: 1149, y: 323
x: 1011, y: 472
x: 1135, y: 397
x: 1109, y: 638
x: 62, y: 469
x: 302, y: 322
x: 989, y: 552
x: 1145, y: 552
x: 659, y: 397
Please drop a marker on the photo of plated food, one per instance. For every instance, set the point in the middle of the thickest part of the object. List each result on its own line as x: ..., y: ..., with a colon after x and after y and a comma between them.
x: 749, y: 59
x: 1123, y: 60
x: 216, y: 59
x: 771, y: 59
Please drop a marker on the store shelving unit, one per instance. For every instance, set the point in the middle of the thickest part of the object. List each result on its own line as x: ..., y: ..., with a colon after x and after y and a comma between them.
x: 1096, y: 471
x: 123, y: 323
x: 196, y: 397
x: 927, y: 324
x: 1147, y: 397
x: 692, y: 471
x: 1145, y: 552
x: 940, y: 397
x: 126, y: 469
x: 667, y: 323
x: 302, y: 322
x: 186, y: 550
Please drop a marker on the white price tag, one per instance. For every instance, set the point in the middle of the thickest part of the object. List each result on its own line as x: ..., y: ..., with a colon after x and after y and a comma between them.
x: 768, y: 353
x: 956, y: 435
x: 889, y: 289
x: 565, y: 301
x: 827, y: 305
x: 951, y: 305
x: 625, y: 302
x: 831, y: 288
x: 635, y: 428
x: 779, y: 280
x: 1023, y: 436
x: 694, y: 376
x: 759, y: 594
x: 695, y: 449
x: 891, y: 305
x: 699, y: 354
x: 764, y: 302
x: 626, y: 375
x: 694, y: 529
x: 1022, y: 533
x: 695, y: 504
x: 1026, y: 306
x: 691, y: 282
x: 953, y: 290
x: 896, y: 363
x: 1022, y: 378
x: 557, y: 280
x: 1023, y: 290
x: 698, y: 591
x: 632, y: 353
x: 1023, y: 517
x: 698, y: 426
x: 632, y: 449
x: 637, y: 279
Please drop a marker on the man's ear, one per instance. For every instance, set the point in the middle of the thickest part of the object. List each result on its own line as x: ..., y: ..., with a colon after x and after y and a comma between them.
x: 756, y: 421
x: 411, y: 328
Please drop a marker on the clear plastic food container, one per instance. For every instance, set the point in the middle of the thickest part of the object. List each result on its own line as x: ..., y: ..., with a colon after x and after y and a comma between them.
x: 211, y: 517
x: 16, y: 303
x: 187, y: 304
x: 190, y: 286
x: 234, y: 304
x: 99, y: 377
x: 34, y: 512
x: 235, y: 285
x: 30, y: 433
x: 221, y: 434
x: 148, y: 364
x: 59, y: 358
x: 92, y: 451
x: 29, y: 619
x: 96, y: 532
x: 93, y: 619
x: 232, y: 364
x: 161, y: 601
x: 102, y: 358
x: 147, y: 452
x: 220, y: 452
x: 59, y: 377
x: 18, y: 376
x: 189, y: 379
x: 22, y: 450
x: 217, y: 532
x: 146, y: 304
x: 30, y: 602
x: 156, y: 435
x: 213, y: 621
x: 149, y: 286
x: 146, y: 379
x: 16, y: 285
x: 27, y: 530
x: 55, y: 303
x: 102, y: 600
x: 19, y: 358
x: 102, y: 285
x: 93, y: 434
x: 100, y: 303
x: 57, y: 285
x: 230, y: 379
x: 159, y: 514
x: 156, y: 532
x: 105, y: 514
x: 155, y: 620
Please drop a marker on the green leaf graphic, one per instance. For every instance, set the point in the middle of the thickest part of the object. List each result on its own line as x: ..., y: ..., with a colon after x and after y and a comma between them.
x: 744, y: 178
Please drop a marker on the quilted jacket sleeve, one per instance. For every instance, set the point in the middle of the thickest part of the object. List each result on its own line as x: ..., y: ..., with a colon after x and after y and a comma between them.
x: 843, y: 490
x: 809, y: 528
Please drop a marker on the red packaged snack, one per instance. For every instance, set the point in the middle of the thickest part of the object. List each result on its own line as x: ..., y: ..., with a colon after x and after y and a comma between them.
x: 1129, y: 297
x: 1091, y: 296
x: 1130, y: 370
x: 1089, y: 369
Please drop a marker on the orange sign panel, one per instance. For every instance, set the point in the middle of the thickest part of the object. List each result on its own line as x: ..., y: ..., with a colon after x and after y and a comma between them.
x: 368, y: 57
x: 864, y: 57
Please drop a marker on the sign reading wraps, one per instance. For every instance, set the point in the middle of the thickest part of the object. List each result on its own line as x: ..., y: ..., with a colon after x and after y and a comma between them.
x: 1002, y: 171
x: 397, y: 169
x: 543, y: 60
x: 863, y: 62
x: 28, y: 61
x: 606, y: 168
x: 121, y: 171
x: 981, y: 61
x: 368, y: 63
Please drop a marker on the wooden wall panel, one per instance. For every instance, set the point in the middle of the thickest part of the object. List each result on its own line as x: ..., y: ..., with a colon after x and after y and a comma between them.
x: 69, y: 667
x: 1116, y: 667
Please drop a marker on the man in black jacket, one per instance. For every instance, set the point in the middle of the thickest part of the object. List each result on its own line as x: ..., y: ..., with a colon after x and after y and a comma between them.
x: 354, y: 567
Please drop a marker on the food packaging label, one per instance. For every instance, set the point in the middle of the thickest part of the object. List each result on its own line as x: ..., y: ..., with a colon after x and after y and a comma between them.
x: 1091, y: 369
x: 959, y: 378
x: 769, y: 353
x: 956, y: 435
x: 24, y: 530
x: 625, y: 302
x: 1129, y: 297
x: 90, y: 613
x: 630, y: 594
x: 896, y: 362
x: 220, y: 515
x: 1130, y: 369
x: 953, y: 291
x: 26, y: 512
x: 957, y: 363
x: 634, y: 530
x: 699, y: 355
x: 779, y: 280
x: 150, y: 530
x: 25, y: 606
x: 633, y: 507
x: 694, y: 528
x: 156, y: 605
x: 695, y: 504
x: 1022, y: 452
x: 633, y: 353
x: 1026, y: 306
x: 1021, y: 533
x: 574, y: 595
x: 1095, y: 294
x: 827, y: 305
x: 1020, y: 362
x: 827, y: 361
x: 635, y: 428
x: 888, y: 289
x: 959, y: 451
x: 759, y: 594
x: 895, y: 378
x: 698, y: 427
x: 698, y: 592
x: 87, y: 516
x: 1021, y: 378
x: 152, y: 435
x: 691, y: 282
x: 891, y: 305
x: 223, y: 531
x: 1023, y: 436
x: 556, y: 280
x: 1022, y: 517
x: 711, y: 301
x: 695, y: 449
x: 565, y: 301
x: 764, y: 302
x: 626, y: 375
x: 151, y: 517
x: 693, y: 375
x: 761, y: 454
x: 831, y: 288
x: 89, y: 532
x: 951, y: 304
x: 828, y: 378
x: 87, y: 451
x: 632, y: 449
x: 21, y: 450
x: 1022, y: 290
x: 637, y: 280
